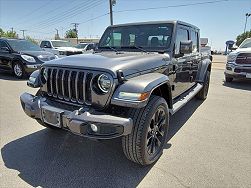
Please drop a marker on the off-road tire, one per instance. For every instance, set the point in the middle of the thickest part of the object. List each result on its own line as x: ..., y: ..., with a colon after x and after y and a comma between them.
x: 228, y: 79
x: 202, y: 95
x: 134, y: 144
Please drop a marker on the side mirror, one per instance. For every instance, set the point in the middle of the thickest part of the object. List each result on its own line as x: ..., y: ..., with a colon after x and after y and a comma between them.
x: 186, y: 47
x: 5, y: 49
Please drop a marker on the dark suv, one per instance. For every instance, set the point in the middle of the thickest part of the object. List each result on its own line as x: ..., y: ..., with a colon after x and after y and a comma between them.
x: 141, y: 74
x: 21, y: 56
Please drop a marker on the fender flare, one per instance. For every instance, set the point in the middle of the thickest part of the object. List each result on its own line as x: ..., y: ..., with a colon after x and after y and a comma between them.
x: 205, y: 64
x: 140, y: 84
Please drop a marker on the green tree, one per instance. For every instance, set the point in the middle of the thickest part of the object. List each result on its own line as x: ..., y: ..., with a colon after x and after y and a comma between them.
x: 10, y: 34
x: 31, y: 40
x: 71, y: 33
x: 240, y: 38
x: 1, y: 33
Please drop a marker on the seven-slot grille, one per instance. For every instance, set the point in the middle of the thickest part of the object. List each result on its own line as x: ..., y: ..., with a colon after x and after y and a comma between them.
x: 69, y: 85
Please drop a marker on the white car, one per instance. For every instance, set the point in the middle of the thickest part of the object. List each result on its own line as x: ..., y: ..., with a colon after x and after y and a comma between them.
x: 239, y: 62
x: 86, y: 47
x: 60, y: 48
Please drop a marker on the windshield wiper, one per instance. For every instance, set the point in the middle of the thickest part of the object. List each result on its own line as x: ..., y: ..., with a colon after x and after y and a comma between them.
x: 137, y: 47
x: 110, y: 48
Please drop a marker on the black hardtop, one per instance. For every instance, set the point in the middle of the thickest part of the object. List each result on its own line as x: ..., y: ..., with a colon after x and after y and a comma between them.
x: 175, y: 22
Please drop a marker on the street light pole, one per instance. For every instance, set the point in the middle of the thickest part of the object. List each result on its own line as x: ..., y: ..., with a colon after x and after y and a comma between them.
x: 247, y: 15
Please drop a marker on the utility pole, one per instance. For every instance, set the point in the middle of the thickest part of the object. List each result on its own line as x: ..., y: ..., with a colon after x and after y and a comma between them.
x: 23, y: 30
x: 111, y: 3
x: 75, y: 28
x: 247, y: 15
x: 57, y: 35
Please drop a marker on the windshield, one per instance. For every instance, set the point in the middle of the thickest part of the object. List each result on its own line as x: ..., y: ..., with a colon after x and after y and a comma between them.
x: 151, y: 37
x: 246, y: 44
x: 23, y: 45
x: 61, y: 44
x: 81, y: 46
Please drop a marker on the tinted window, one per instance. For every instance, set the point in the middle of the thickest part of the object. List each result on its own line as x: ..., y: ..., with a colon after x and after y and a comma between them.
x: 152, y: 37
x: 182, y: 35
x: 3, y: 44
x: 194, y: 38
x: 61, y: 44
x: 23, y: 45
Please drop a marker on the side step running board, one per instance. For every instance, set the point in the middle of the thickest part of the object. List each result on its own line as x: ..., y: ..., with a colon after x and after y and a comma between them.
x: 180, y: 103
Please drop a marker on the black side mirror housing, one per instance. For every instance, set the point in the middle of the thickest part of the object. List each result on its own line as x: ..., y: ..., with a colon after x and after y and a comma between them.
x: 186, y: 47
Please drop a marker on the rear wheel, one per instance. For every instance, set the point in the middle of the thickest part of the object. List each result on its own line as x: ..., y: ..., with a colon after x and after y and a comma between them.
x: 202, y: 95
x: 146, y: 142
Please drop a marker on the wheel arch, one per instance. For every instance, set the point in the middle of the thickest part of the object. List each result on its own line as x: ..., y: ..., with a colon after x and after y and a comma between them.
x: 151, y: 83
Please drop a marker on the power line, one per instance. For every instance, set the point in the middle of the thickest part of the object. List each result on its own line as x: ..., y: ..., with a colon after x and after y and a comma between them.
x: 171, y: 6
x: 69, y: 14
x: 34, y: 11
x: 51, y: 11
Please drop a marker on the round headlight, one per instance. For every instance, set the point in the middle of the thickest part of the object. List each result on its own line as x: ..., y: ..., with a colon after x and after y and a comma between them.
x: 104, y: 83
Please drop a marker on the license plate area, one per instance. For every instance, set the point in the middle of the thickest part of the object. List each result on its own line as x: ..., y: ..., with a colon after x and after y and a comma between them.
x: 52, y: 116
x: 248, y: 75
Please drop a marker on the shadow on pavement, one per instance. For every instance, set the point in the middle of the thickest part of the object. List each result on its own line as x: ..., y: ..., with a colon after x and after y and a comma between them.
x: 8, y: 76
x: 50, y: 158
x: 243, y: 84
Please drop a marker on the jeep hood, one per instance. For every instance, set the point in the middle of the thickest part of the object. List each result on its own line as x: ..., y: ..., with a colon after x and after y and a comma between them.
x: 129, y: 62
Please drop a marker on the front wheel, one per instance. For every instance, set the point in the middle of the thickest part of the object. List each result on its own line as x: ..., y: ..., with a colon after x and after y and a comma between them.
x: 18, y: 70
x: 146, y: 142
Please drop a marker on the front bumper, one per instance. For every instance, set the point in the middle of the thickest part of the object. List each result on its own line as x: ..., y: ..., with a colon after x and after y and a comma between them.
x: 234, y: 70
x: 88, y: 124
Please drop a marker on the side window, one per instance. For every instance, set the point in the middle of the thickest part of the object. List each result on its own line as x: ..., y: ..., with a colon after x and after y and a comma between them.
x: 42, y: 44
x: 3, y: 44
x: 47, y: 43
x: 182, y: 35
x: 194, y: 38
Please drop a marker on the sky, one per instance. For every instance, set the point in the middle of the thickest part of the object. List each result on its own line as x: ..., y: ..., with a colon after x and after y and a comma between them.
x: 218, y: 20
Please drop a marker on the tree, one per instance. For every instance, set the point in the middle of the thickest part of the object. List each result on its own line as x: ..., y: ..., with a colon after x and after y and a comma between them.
x: 1, y: 33
x: 240, y: 38
x: 71, y: 33
x: 8, y: 34
x: 31, y: 40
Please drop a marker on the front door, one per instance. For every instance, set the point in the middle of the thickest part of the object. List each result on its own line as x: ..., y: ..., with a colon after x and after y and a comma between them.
x: 181, y: 64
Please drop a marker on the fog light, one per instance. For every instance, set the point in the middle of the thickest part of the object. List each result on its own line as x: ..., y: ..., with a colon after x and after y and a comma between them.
x: 94, y: 128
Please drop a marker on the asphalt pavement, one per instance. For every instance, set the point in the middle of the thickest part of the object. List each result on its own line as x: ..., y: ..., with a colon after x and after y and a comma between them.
x: 209, y: 145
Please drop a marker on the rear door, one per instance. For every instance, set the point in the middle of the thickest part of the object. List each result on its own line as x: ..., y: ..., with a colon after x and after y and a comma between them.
x: 181, y: 64
x: 5, y: 56
x: 196, y: 55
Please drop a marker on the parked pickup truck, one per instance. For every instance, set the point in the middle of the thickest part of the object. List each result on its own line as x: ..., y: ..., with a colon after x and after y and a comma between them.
x: 60, y: 48
x: 239, y: 62
x: 140, y: 75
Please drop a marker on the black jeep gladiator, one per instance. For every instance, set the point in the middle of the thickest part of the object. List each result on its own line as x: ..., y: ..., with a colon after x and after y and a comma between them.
x: 140, y: 75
